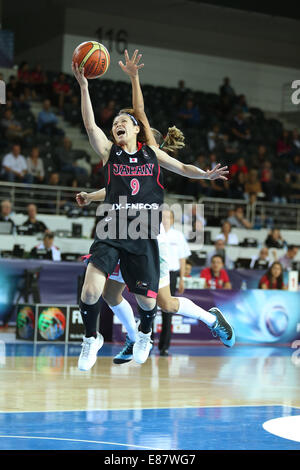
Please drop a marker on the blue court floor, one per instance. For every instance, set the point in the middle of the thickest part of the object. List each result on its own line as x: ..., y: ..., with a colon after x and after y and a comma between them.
x: 221, y: 427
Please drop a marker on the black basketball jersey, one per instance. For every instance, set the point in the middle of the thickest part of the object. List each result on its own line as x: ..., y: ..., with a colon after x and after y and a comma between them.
x: 133, y: 184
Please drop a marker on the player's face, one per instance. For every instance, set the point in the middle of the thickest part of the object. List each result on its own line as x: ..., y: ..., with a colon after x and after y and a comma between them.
x: 124, y: 130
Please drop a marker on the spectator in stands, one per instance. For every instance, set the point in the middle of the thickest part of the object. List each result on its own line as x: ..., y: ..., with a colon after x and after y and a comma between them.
x: 46, y: 249
x: 238, y: 219
x: 260, y: 156
x: 212, y: 160
x: 68, y: 161
x: 229, y: 237
x: 14, y: 166
x: 283, y: 145
x: 241, y: 103
x: 189, y: 114
x: 188, y: 269
x: 253, y: 185
x: 273, y: 278
x: 226, y: 89
x: 237, y: 186
x: 216, y: 276
x: 72, y: 111
x: 107, y: 114
x: 267, y: 180
x: 275, y: 239
x: 220, y: 250
x: 24, y: 79
x: 214, y: 137
x: 181, y: 86
x: 13, y: 129
x: 219, y: 188
x: 238, y: 167
x: 296, y: 139
x: 34, y: 225
x: 6, y: 212
x: 287, y: 260
x: 35, y: 166
x: 47, y: 121
x: 262, y: 261
x: 39, y: 82
x: 239, y: 128
x: 13, y: 87
x: 61, y: 91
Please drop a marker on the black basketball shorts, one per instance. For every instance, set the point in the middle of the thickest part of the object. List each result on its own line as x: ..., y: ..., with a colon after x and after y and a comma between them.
x: 139, y: 262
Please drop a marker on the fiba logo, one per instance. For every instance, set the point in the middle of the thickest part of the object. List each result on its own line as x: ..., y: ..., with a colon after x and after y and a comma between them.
x: 296, y: 95
x: 76, y: 317
x: 51, y: 323
x: 25, y: 323
x: 276, y: 320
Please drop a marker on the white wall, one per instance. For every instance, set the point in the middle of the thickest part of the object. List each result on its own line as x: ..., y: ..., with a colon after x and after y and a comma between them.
x: 262, y: 84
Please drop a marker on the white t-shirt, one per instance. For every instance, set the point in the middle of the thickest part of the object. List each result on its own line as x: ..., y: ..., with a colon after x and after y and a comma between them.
x: 232, y: 238
x: 17, y: 164
x: 178, y: 248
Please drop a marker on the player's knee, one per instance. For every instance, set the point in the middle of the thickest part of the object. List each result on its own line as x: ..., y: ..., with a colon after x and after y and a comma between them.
x: 111, y: 299
x: 146, y: 303
x: 167, y: 305
x: 90, y: 294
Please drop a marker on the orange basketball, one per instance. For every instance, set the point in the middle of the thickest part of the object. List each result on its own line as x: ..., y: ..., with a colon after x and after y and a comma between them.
x: 94, y: 57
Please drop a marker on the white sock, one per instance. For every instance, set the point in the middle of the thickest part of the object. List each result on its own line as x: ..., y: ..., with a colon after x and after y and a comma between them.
x: 187, y: 308
x: 124, y: 313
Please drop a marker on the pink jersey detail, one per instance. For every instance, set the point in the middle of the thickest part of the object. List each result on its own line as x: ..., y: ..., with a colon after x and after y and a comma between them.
x: 158, y: 182
x: 152, y: 294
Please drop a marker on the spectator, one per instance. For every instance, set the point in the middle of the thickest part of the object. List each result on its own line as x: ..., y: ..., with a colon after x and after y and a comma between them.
x: 287, y: 260
x: 238, y: 219
x: 267, y: 180
x: 188, y: 269
x: 260, y: 156
x: 296, y: 139
x: 253, y: 185
x: 262, y: 261
x: 226, y: 235
x: 219, y: 188
x: 13, y: 87
x: 239, y: 128
x: 238, y: 167
x: 181, y: 86
x: 13, y: 129
x: 220, y: 250
x: 274, y: 239
x: 212, y: 160
x: 226, y: 89
x: 34, y: 226
x: 67, y: 161
x: 14, y: 166
x: 107, y: 114
x: 242, y: 104
x: 214, y: 137
x: 6, y: 212
x: 273, y: 278
x: 46, y: 249
x: 24, y: 79
x: 189, y: 114
x: 47, y: 121
x: 284, y: 144
x: 39, y: 82
x: 237, y: 186
x: 35, y: 166
x: 61, y: 91
x: 215, y: 276
x: 72, y: 111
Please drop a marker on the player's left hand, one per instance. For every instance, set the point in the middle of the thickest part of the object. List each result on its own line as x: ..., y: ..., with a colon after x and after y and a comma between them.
x: 217, y: 173
x: 132, y: 65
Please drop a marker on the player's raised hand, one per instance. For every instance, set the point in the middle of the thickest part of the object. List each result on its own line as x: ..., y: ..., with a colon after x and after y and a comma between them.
x: 83, y: 199
x: 217, y: 173
x: 79, y: 75
x: 132, y: 65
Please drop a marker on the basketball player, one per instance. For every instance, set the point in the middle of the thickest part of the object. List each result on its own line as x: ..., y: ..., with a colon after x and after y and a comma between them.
x: 115, y: 285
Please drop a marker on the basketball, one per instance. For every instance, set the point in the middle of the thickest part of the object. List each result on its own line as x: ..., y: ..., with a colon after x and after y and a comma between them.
x: 93, y: 56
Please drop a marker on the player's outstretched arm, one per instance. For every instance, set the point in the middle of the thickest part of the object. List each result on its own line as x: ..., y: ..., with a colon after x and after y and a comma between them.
x: 190, y: 171
x: 97, y: 138
x: 131, y: 68
x: 84, y: 199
